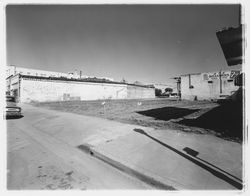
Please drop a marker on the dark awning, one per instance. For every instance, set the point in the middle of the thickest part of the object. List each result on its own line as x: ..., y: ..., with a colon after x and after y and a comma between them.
x: 231, y: 44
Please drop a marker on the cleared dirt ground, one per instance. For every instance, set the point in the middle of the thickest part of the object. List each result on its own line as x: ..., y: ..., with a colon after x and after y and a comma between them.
x: 190, y: 116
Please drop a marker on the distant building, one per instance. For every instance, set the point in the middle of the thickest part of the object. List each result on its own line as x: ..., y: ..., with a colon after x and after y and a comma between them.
x: 13, y: 70
x: 31, y: 85
x: 206, y: 86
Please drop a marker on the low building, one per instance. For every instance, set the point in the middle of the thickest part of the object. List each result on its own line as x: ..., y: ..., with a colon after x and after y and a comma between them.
x: 57, y: 87
x: 208, y: 86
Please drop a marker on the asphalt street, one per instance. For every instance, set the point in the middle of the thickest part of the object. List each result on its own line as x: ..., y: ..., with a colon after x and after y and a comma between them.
x: 47, y: 150
x: 38, y: 159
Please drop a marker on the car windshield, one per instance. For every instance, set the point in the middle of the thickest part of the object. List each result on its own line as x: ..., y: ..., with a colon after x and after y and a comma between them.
x: 10, y: 99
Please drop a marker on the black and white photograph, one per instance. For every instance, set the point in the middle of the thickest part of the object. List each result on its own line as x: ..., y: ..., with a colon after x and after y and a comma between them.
x: 125, y: 96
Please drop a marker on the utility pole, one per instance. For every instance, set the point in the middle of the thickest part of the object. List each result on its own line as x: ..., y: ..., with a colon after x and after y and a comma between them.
x: 220, y: 82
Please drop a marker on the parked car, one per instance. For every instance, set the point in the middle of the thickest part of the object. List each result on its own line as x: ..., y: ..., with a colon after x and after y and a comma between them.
x: 12, y: 110
x: 173, y: 95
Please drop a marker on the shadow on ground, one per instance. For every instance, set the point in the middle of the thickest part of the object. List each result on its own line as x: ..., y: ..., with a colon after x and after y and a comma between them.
x: 226, y: 119
x: 13, y: 117
x: 167, y: 113
x: 192, y: 156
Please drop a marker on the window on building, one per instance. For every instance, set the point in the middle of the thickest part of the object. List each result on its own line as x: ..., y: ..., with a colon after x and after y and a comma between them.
x: 205, y: 77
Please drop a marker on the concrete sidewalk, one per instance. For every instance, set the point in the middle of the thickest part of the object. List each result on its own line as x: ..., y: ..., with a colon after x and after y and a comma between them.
x: 183, y: 161
x: 176, y: 159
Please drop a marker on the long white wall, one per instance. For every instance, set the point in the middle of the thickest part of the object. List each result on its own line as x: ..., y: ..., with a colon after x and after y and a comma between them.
x: 49, y: 90
x: 137, y: 92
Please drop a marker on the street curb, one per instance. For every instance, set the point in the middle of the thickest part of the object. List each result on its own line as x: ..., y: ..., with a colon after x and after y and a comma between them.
x: 145, y: 176
x: 152, y: 181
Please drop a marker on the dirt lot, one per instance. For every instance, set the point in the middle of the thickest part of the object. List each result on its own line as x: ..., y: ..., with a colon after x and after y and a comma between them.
x: 190, y: 116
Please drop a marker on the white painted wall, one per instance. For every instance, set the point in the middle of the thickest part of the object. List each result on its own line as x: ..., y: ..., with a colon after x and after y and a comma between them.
x: 49, y: 90
x: 45, y: 90
x: 137, y: 92
x: 203, y: 89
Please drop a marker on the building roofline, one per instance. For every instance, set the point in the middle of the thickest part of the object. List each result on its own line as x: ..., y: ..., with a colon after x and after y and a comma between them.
x: 210, y: 72
x: 191, y: 74
x: 87, y: 80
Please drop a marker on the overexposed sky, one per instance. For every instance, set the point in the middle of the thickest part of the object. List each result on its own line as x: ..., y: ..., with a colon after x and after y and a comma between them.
x: 146, y: 43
